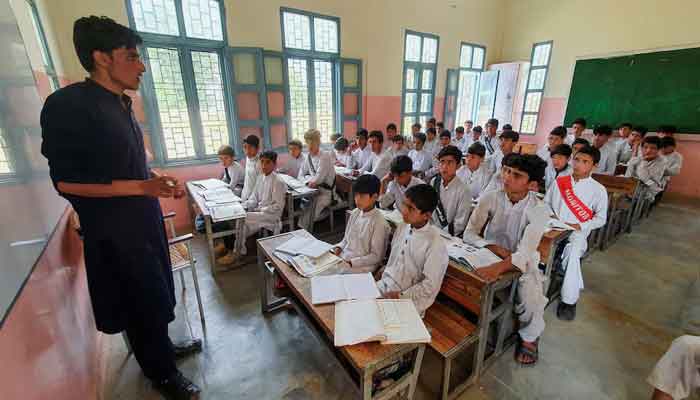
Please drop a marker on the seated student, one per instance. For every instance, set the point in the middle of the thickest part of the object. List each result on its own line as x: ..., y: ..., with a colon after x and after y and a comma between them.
x: 459, y: 140
x: 677, y: 374
x: 632, y: 148
x: 366, y: 232
x: 649, y: 168
x: 555, y: 138
x: 295, y: 159
x: 475, y: 173
x: 395, y: 183
x: 398, y: 146
x: 674, y: 159
x: 343, y: 156
x: 608, y: 152
x: 379, y: 161
x: 418, y: 258
x: 318, y: 173
x: 390, y: 130
x: 578, y: 145
x: 445, y: 140
x: 234, y: 173
x: 513, y: 221
x: 430, y: 124
x: 263, y: 208
x: 666, y: 131
x: 490, y: 140
x: 415, y: 129
x: 507, y: 127
x: 468, y: 125
x: 475, y: 136
x: 454, y: 196
x: 251, y: 148
x: 335, y: 136
x: 558, y: 165
x: 577, y: 129
x: 362, y: 151
x: 431, y: 143
x: 506, y: 143
x: 582, y: 203
x: 623, y: 132
x: 422, y: 160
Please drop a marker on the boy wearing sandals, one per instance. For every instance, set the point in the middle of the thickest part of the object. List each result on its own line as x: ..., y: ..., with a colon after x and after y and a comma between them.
x: 513, y: 221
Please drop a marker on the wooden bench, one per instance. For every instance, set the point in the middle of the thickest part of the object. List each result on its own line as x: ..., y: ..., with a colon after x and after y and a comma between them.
x: 620, y: 208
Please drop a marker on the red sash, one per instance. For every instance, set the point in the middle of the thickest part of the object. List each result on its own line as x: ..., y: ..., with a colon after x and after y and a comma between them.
x: 577, y: 207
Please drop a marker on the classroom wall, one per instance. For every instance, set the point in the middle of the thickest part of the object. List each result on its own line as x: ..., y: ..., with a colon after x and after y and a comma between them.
x: 586, y: 28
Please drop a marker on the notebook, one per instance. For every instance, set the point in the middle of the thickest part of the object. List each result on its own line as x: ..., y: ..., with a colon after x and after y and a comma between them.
x: 385, y: 321
x: 220, y: 195
x: 334, y: 288
x: 307, y: 246
x: 227, y: 212
x: 208, y: 184
x: 555, y: 224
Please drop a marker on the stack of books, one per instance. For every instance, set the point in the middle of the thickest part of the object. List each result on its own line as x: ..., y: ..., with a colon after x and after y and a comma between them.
x: 307, y: 255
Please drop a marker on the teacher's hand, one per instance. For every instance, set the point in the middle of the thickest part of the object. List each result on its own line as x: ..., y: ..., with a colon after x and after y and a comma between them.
x: 162, y: 186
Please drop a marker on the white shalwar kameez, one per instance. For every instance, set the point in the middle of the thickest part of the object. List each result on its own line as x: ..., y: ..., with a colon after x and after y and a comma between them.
x: 365, y: 240
x: 321, y: 171
x: 264, y: 208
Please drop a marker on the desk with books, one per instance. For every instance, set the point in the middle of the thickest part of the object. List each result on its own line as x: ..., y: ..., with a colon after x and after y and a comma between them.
x: 360, y: 361
x: 296, y: 192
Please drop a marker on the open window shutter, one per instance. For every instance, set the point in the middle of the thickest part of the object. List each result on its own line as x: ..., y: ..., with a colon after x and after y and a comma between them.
x: 451, y: 90
x: 488, y: 86
x: 349, y: 119
x: 277, y: 98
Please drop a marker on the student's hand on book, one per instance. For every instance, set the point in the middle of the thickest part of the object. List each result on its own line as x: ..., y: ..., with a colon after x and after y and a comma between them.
x: 392, y: 295
x: 498, y: 250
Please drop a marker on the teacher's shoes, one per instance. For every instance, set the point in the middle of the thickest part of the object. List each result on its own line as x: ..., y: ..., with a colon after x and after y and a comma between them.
x: 566, y: 312
x: 177, y: 387
x: 187, y: 347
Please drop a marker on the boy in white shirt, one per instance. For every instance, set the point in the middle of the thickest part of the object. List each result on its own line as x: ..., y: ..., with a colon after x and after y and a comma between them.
x: 418, y: 258
x: 476, y: 136
x: 666, y: 131
x: 558, y: 165
x: 454, y: 197
x: 633, y: 147
x: 366, y: 234
x: 677, y: 374
x: 295, y: 159
x: 343, y: 156
x: 251, y: 148
x: 506, y: 143
x: 445, y: 140
x: 422, y: 160
x: 490, y: 140
x: 468, y: 125
x: 649, y: 168
x: 391, y: 130
x: 623, y: 132
x: 582, y: 203
x: 475, y: 173
x: 378, y: 163
x: 459, y: 140
x: 674, y: 159
x: 318, y: 173
x: 398, y: 147
x: 577, y: 129
x: 362, y: 151
x: 395, y: 183
x: 555, y: 138
x: 608, y: 152
x: 513, y: 221
x: 233, y: 171
x: 431, y: 143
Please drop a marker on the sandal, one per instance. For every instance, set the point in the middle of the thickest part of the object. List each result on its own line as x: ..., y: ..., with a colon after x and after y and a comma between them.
x: 522, y: 350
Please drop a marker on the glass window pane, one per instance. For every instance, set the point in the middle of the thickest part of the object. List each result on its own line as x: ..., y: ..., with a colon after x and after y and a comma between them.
x: 323, y: 77
x: 325, y: 35
x: 171, y: 101
x: 202, y: 19
x: 429, y: 50
x: 466, y: 97
x: 411, y: 78
x: 465, y: 56
x: 155, y: 16
x: 529, y: 123
x: 541, y: 56
x: 297, y: 31
x: 210, y: 93
x: 423, y: 120
x: 537, y: 78
x: 408, y: 121
x: 350, y: 75
x: 244, y: 68
x: 273, y: 71
x: 426, y: 102
x: 532, y: 102
x: 411, y: 101
x: 5, y: 162
x: 298, y: 97
x: 427, y: 79
x: 478, y: 60
x: 412, y: 51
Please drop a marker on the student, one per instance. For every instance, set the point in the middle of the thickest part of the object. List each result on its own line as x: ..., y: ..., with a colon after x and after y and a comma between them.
x: 506, y: 143
x: 475, y: 173
x: 431, y: 124
x: 578, y: 145
x: 582, y: 203
x: 318, y: 173
x: 415, y: 129
x: 475, y: 136
x: 674, y: 159
x: 623, y: 132
x: 507, y: 127
x: 577, y: 129
x: 608, y: 152
x: 418, y: 258
x: 633, y: 146
x: 513, y: 221
x: 555, y: 138
x: 439, y: 126
x: 422, y: 160
x: 459, y: 140
x: 490, y: 141
x: 378, y: 163
x: 558, y: 165
x: 676, y: 374
x: 343, y: 156
x: 362, y: 152
x: 234, y: 173
x: 366, y: 234
x: 431, y: 143
x: 398, y: 147
x: 390, y: 130
x: 649, y: 168
x: 445, y: 140
x: 334, y: 137
x: 251, y: 148
x: 263, y: 208
x: 295, y: 159
x: 454, y: 197
x: 468, y: 126
x: 666, y: 131
x: 395, y: 183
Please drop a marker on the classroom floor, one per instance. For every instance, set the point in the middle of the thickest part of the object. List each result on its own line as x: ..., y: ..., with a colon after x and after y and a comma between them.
x: 627, y: 317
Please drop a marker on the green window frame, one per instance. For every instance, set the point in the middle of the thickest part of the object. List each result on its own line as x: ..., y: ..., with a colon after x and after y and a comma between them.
x: 534, y: 90
x: 46, y: 57
x: 419, y: 78
x: 472, y: 62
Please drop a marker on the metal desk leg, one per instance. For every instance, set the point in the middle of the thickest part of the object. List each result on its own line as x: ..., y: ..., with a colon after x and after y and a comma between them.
x: 210, y: 244
x: 266, y: 290
x: 484, y: 322
x: 416, y: 371
x: 290, y: 212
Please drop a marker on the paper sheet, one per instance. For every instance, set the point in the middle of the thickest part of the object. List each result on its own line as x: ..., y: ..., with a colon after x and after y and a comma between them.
x: 208, y: 184
x: 293, y: 245
x: 402, y: 323
x: 334, y: 288
x: 357, y: 321
x: 343, y: 170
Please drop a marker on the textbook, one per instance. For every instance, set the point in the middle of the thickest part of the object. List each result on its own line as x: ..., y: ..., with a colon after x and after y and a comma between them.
x: 470, y: 256
x: 303, y: 245
x: 334, y: 288
x: 343, y: 171
x: 386, y: 320
x: 555, y: 224
x: 208, y: 184
x: 220, y: 195
x: 226, y: 212
x: 291, y: 182
x: 308, y: 267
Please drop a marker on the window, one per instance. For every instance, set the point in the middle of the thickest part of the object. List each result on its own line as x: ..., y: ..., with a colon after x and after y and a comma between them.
x: 471, y: 65
x: 534, y: 90
x: 43, y: 45
x: 311, y: 45
x: 419, y: 70
x: 184, y: 46
x: 6, y: 165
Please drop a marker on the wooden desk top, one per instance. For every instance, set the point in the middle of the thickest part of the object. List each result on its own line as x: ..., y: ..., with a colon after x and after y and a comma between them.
x: 360, y: 355
x: 548, y: 239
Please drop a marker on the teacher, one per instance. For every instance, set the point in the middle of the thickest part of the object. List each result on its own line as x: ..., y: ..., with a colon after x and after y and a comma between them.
x: 98, y: 163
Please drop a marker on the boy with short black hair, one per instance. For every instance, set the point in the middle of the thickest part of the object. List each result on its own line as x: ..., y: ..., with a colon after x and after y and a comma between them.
x: 415, y: 128
x: 233, y: 171
x: 506, y: 143
x: 578, y: 145
x: 379, y: 161
x: 294, y: 160
x: 454, y: 197
x: 362, y: 151
x: 632, y: 148
x: 391, y: 131
x: 422, y: 160
x: 558, y: 165
x: 507, y: 127
x: 608, y: 152
x: 395, y: 183
x: 582, y: 203
x: 334, y: 137
x: 475, y: 136
x: 251, y: 148
x: 666, y: 131
x: 366, y: 233
x: 445, y: 140
x: 418, y: 258
x: 439, y: 126
x: 459, y: 140
x: 649, y: 168
x: 513, y: 220
x: 577, y: 129
x: 623, y: 132
x: 490, y: 140
x: 475, y: 173
x: 431, y: 143
x: 343, y: 156
x: 555, y: 138
x: 431, y: 124
x: 674, y: 159
x: 398, y: 146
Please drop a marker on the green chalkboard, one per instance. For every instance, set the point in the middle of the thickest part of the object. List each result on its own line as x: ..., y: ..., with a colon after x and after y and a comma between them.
x: 649, y: 89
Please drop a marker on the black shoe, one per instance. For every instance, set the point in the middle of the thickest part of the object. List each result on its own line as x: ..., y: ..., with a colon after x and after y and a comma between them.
x: 566, y: 312
x: 178, y: 387
x: 187, y: 347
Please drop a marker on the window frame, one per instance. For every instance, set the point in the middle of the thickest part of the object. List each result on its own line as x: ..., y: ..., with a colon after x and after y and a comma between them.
x: 545, y: 67
x: 475, y: 104
x: 418, y: 66
x: 49, y: 66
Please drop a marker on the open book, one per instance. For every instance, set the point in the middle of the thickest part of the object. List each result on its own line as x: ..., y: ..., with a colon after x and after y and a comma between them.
x: 386, y: 321
x: 220, y: 195
x: 208, y: 184
x: 333, y: 288
x: 559, y: 225
x: 308, y: 267
x: 470, y: 256
x: 226, y: 212
x: 304, y: 245
x: 291, y: 182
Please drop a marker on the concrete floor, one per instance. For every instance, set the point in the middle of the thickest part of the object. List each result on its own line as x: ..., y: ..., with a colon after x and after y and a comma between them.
x: 627, y: 317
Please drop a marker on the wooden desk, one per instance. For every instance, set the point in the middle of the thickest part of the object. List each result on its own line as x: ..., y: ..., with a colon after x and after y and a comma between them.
x: 359, y: 361
x: 548, y: 249
x: 343, y: 184
x: 199, y: 207
x: 292, y: 196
